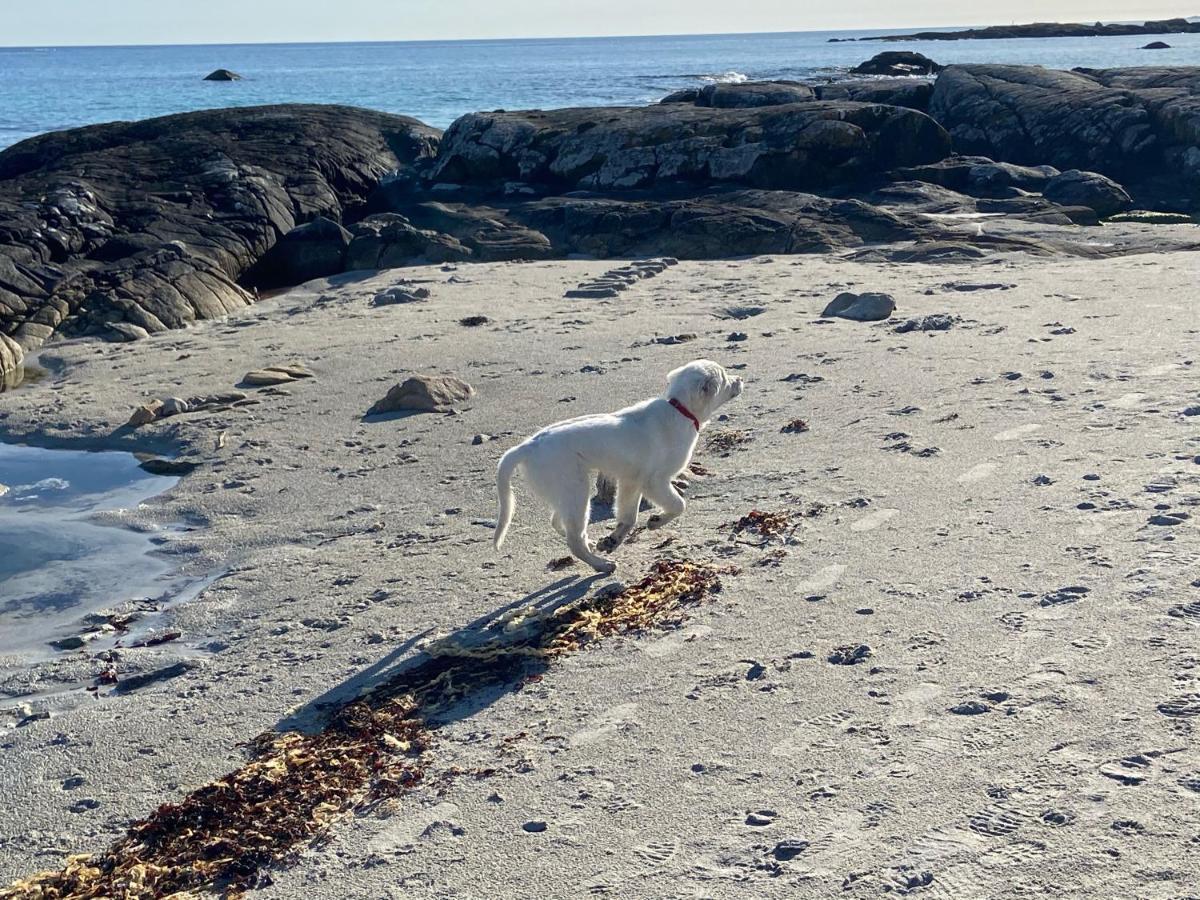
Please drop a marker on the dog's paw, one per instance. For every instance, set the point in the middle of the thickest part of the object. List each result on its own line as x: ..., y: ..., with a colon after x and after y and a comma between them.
x: 606, y: 568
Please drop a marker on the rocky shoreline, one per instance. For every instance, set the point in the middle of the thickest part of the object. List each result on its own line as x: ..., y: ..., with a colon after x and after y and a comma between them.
x: 126, y: 230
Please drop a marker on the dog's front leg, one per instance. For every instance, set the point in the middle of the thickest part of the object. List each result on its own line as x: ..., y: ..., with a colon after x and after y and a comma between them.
x: 629, y: 501
x: 666, y: 498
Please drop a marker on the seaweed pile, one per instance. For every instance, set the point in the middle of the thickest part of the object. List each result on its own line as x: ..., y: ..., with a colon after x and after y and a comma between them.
x: 225, y: 835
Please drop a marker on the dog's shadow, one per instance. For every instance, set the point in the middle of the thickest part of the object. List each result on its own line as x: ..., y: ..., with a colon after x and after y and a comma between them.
x: 484, y: 660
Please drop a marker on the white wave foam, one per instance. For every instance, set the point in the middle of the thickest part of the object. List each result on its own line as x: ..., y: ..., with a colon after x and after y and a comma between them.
x: 729, y: 77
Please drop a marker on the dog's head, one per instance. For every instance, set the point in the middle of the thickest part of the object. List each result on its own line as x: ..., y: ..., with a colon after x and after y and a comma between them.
x: 702, y: 386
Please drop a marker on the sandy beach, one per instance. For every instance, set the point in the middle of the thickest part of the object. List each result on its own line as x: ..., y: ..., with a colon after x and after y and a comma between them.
x: 965, y: 664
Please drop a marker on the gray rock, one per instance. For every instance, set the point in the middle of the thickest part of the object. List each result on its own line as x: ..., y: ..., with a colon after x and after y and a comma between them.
x: 979, y: 176
x: 316, y: 249
x: 424, y: 393
x: 400, y: 294
x: 222, y: 75
x: 794, y: 147
x: 389, y: 240
x: 898, y: 63
x: 934, y: 322
x: 867, y: 307
x: 126, y: 331
x: 1139, y: 124
x: 754, y: 93
x: 1090, y: 189
x: 913, y: 93
x: 1157, y: 45
x: 153, y: 223
x: 687, y: 95
x: 173, y: 406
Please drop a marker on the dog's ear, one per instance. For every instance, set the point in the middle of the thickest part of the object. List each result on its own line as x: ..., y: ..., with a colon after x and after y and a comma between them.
x: 711, y: 384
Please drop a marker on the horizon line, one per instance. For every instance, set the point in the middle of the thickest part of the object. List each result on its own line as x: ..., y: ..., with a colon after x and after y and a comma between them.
x: 562, y: 37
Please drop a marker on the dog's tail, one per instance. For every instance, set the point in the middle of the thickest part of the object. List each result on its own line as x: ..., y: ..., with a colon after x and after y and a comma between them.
x: 504, y: 473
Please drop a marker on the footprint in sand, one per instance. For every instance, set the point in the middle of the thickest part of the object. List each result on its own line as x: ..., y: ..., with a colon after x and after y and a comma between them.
x: 912, y: 707
x: 409, y: 829
x: 977, y: 473
x: 1017, y: 433
x: 1165, y: 369
x: 605, y: 724
x: 821, y: 580
x: 1128, y: 401
x: 871, y: 521
x: 673, y: 643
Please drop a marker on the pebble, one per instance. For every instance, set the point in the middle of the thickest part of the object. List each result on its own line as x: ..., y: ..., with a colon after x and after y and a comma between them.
x: 534, y: 827
x: 789, y: 849
x: 850, y: 655
x: 762, y: 818
x: 1171, y: 520
x: 970, y: 708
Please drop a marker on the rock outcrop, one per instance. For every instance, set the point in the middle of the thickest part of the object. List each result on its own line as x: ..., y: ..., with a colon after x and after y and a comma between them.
x: 913, y: 93
x: 798, y: 146
x: 898, y: 63
x: 152, y: 223
x: 1135, y: 125
x: 1076, y: 188
x: 222, y: 75
x: 753, y: 93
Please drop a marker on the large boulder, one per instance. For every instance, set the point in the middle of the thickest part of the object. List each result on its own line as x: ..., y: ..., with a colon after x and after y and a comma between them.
x: 870, y: 306
x: 897, y: 63
x: 798, y: 146
x: 389, y: 240
x: 316, y: 249
x: 1140, y: 126
x: 754, y: 93
x: 913, y: 93
x: 1090, y: 189
x: 222, y: 75
x: 153, y: 223
x: 424, y: 393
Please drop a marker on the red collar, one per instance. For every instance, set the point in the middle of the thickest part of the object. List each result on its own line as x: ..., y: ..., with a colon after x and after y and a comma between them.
x: 684, y: 411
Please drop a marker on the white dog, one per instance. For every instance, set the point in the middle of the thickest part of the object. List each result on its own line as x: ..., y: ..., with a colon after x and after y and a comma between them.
x: 641, y: 448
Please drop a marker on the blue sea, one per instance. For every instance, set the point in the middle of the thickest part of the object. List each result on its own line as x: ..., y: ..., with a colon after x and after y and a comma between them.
x: 50, y: 88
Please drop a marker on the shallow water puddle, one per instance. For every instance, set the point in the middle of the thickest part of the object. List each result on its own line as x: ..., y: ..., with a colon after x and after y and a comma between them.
x: 56, y: 563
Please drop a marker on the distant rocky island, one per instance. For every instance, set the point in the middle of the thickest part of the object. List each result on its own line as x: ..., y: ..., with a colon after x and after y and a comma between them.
x: 1042, y: 30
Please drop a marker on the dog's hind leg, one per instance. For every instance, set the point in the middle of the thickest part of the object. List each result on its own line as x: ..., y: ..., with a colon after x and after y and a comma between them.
x: 629, y: 501
x: 557, y: 525
x: 573, y: 513
x: 666, y: 498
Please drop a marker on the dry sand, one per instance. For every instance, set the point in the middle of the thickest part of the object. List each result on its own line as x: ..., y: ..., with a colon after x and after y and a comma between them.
x: 730, y: 757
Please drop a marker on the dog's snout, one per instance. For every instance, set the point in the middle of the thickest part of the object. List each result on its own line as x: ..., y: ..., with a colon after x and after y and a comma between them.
x: 738, y: 385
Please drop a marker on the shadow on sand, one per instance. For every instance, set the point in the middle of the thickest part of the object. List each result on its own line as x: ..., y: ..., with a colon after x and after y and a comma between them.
x: 477, y: 663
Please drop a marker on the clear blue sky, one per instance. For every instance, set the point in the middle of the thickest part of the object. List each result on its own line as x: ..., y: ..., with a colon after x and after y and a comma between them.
x: 52, y: 22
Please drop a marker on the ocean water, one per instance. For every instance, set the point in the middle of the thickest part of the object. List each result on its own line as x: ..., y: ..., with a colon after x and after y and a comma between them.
x: 48, y: 88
